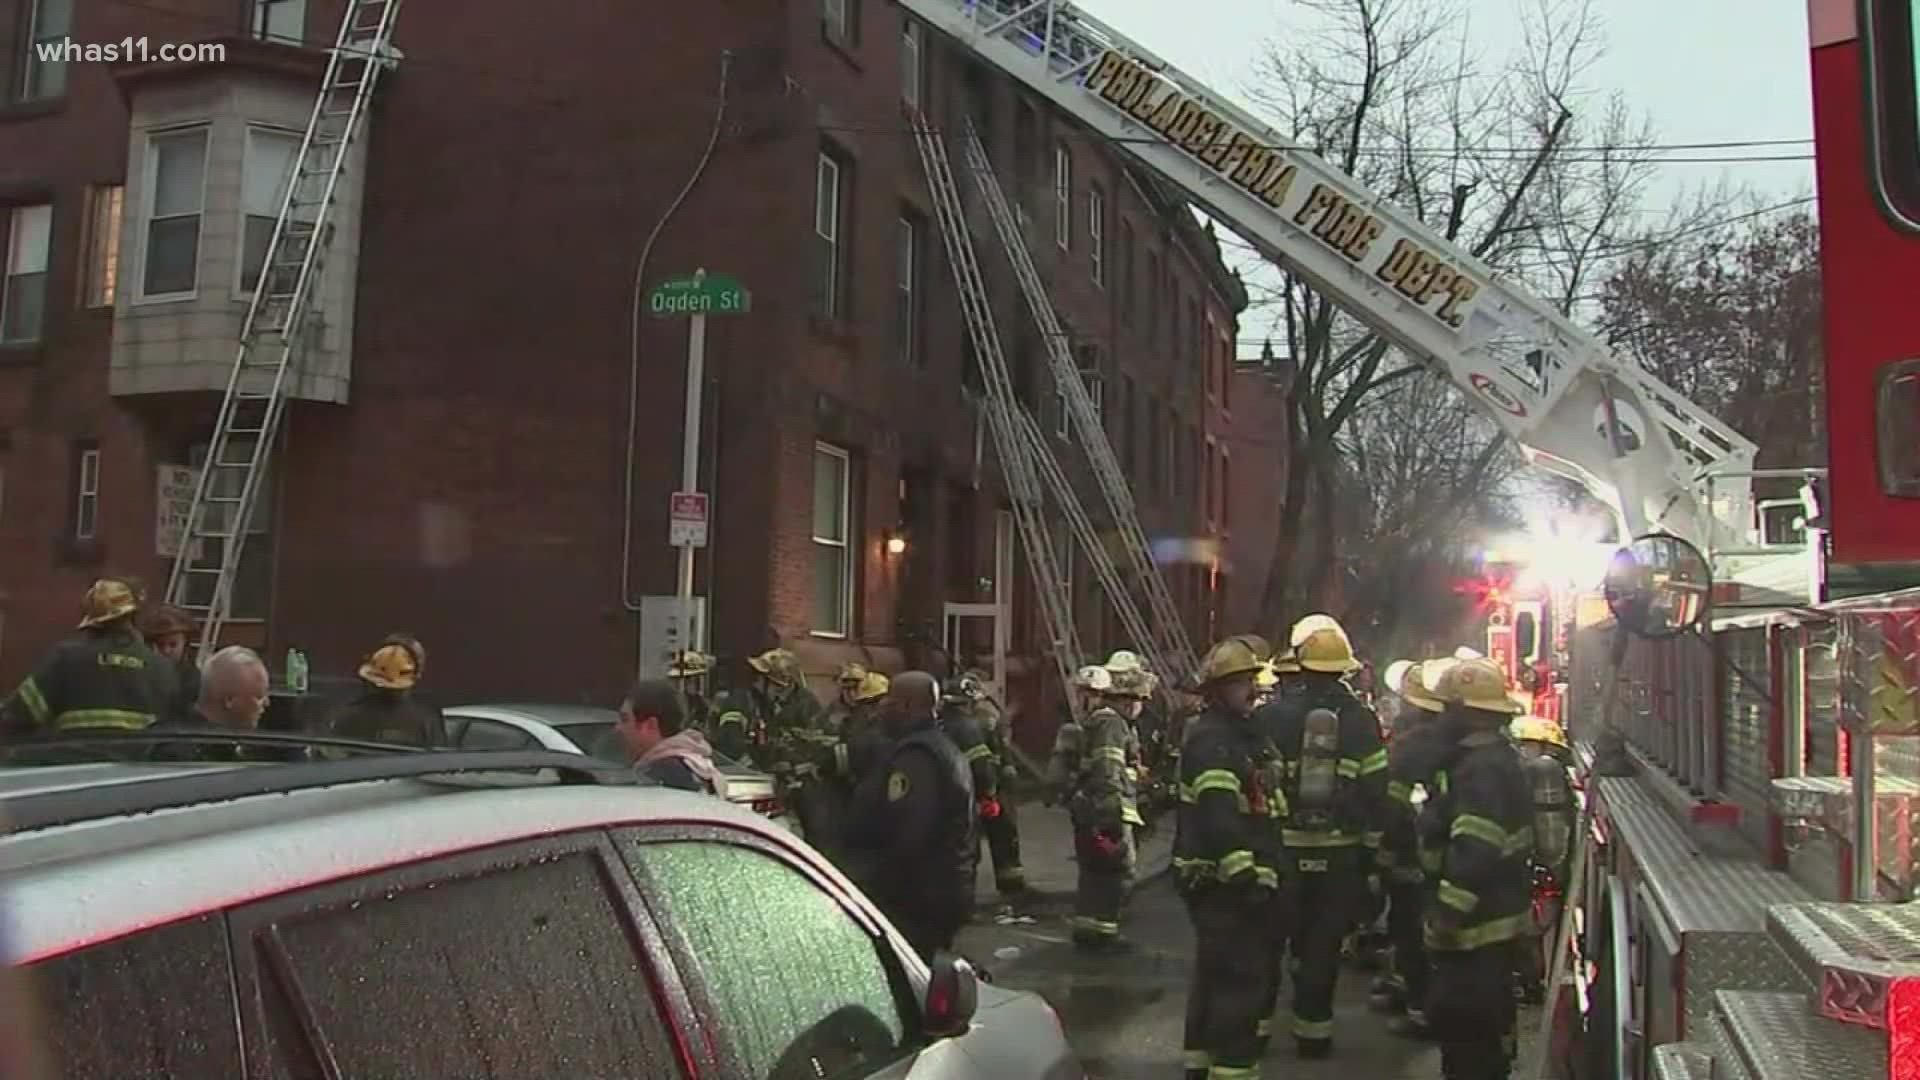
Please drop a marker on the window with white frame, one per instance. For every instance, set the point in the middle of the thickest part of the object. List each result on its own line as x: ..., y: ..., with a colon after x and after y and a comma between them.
x: 86, y: 495
x: 840, y: 20
x: 906, y: 313
x: 284, y: 21
x: 43, y: 68
x: 23, y: 293
x: 174, y: 202
x: 1097, y: 235
x: 106, y: 203
x: 829, y: 272
x: 1062, y: 197
x: 265, y: 170
x: 910, y: 52
x: 832, y: 546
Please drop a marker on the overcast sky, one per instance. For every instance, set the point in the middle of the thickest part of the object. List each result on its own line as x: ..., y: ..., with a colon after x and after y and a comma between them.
x: 1701, y: 70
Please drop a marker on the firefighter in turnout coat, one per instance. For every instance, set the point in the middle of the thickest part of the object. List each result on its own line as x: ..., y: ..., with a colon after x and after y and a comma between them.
x: 1481, y: 827
x: 1415, y: 756
x: 776, y: 724
x: 1093, y: 770
x: 1227, y: 859
x: 1336, y: 787
x: 103, y: 678
x: 974, y: 724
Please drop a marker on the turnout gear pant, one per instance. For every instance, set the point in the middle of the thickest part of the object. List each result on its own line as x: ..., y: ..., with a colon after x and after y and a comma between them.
x: 1003, y: 842
x: 1105, y: 881
x: 1472, y: 1012
x: 1407, y: 931
x: 1324, y: 891
x: 1237, y: 935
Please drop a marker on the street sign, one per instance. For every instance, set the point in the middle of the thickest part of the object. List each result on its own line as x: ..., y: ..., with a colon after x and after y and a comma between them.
x: 687, y: 519
x: 699, y: 293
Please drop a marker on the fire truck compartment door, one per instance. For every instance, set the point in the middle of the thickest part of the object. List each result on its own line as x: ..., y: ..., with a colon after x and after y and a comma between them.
x: 1659, y: 947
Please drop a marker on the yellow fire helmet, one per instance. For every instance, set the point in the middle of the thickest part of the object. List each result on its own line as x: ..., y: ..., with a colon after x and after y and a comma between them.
x: 689, y: 665
x: 1396, y: 675
x: 1093, y: 677
x: 1478, y: 684
x: 1227, y: 659
x: 852, y: 675
x: 1128, y: 684
x: 1261, y: 649
x: 779, y: 666
x: 1123, y: 660
x: 1305, y: 627
x: 1538, y: 729
x: 1327, y: 649
x: 1417, y: 686
x: 391, y: 667
x: 1286, y: 663
x: 873, y: 686
x: 1266, y: 678
x: 108, y: 599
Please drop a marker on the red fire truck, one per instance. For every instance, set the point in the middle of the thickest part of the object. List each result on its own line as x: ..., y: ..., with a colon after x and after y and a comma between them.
x: 1751, y: 874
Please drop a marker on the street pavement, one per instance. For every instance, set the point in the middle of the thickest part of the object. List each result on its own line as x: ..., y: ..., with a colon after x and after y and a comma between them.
x: 1124, y: 1013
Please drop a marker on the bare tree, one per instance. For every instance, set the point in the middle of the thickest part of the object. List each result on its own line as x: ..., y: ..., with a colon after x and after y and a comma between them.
x: 1520, y: 162
x: 1730, y: 316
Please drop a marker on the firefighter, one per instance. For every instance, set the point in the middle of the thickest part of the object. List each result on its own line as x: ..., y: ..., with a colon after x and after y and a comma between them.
x: 1091, y: 768
x: 167, y: 631
x: 1413, y: 758
x: 766, y: 722
x: 1336, y: 785
x: 103, y: 678
x: 862, y: 737
x: 1480, y: 825
x: 688, y: 673
x: 1227, y: 863
x: 1544, y: 755
x: 385, y: 709
x: 911, y: 841
x: 969, y: 721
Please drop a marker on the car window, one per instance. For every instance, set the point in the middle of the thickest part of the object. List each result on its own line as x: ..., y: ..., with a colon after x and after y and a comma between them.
x: 528, y: 970
x: 494, y: 735
x: 158, y: 1003
x: 799, y: 988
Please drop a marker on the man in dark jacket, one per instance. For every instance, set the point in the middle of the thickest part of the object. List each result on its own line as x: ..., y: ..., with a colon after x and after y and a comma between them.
x: 653, y: 727
x: 912, y: 839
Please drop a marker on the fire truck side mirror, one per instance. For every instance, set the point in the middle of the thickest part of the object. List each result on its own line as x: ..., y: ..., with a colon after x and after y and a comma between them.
x: 1658, y: 586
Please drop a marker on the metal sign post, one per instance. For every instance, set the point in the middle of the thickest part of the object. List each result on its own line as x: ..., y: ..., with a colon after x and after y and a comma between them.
x: 696, y: 296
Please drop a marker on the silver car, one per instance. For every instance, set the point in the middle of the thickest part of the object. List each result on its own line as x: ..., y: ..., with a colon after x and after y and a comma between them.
x: 449, y: 913
x: 584, y: 729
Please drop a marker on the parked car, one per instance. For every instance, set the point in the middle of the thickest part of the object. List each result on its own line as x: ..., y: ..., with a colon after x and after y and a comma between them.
x: 450, y: 913
x: 584, y: 729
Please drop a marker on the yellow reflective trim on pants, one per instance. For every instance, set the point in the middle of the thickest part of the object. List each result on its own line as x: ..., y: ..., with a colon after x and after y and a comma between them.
x: 978, y: 752
x: 1215, y: 780
x: 1457, y: 898
x: 1235, y: 863
x: 1265, y: 876
x: 1312, y: 1029
x: 1196, y: 1060
x: 1479, y: 936
x: 1401, y: 792
x: 1091, y: 925
x: 1234, y: 1072
x: 35, y: 701
x: 117, y: 719
x: 1373, y: 762
x: 1130, y: 814
x: 1298, y: 839
x: 1479, y: 828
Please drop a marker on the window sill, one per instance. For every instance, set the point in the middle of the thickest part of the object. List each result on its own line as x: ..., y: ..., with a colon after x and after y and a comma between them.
x: 19, y: 111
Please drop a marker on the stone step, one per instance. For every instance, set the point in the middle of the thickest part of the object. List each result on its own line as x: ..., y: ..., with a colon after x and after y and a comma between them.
x: 1849, y: 955
x: 1683, y: 1061
x: 1778, y: 1036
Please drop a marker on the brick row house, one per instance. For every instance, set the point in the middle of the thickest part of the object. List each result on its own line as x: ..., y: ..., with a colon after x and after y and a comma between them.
x: 456, y: 452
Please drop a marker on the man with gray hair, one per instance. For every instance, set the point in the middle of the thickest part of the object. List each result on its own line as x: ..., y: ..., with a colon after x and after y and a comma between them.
x: 233, y: 689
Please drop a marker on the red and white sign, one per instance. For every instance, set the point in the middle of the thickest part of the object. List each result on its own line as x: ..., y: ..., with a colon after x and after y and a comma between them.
x: 687, y: 519
x: 1497, y: 394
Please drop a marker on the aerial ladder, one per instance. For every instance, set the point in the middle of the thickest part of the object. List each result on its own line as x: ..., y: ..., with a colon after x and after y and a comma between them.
x: 1554, y: 388
x: 277, y: 328
x: 1011, y: 439
x: 1164, y: 637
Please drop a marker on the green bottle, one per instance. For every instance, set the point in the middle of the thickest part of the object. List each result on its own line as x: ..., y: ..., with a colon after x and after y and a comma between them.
x: 296, y: 671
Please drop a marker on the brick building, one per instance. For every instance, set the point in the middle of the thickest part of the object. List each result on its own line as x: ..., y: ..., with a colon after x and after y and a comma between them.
x: 454, y: 459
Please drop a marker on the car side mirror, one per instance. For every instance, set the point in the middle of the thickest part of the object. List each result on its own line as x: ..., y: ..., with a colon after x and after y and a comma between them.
x: 953, y: 995
x: 1658, y: 586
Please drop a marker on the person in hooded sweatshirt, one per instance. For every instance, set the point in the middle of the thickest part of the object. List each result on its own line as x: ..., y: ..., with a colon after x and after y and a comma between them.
x: 653, y: 727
